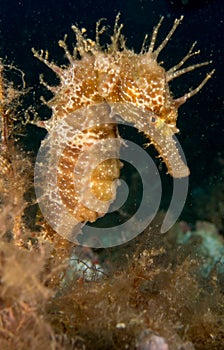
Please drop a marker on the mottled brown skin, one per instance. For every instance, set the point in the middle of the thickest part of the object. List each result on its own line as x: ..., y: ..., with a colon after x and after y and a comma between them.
x: 101, y: 178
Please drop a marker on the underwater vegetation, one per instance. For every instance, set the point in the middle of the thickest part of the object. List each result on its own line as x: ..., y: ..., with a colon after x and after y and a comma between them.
x: 149, y: 294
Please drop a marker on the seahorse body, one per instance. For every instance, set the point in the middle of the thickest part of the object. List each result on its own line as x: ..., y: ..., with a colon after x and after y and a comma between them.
x: 134, y: 86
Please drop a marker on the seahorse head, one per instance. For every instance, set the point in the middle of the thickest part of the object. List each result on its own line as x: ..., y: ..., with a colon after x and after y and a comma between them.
x: 143, y: 84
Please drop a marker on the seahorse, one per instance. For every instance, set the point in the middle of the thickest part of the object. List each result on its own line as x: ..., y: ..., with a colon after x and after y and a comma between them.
x: 132, y: 85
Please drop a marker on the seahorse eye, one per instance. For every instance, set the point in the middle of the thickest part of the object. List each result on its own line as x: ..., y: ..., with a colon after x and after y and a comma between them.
x: 153, y: 120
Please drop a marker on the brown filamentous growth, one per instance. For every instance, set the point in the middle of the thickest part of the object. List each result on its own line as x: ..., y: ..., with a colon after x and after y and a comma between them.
x: 14, y: 167
x: 135, y: 86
